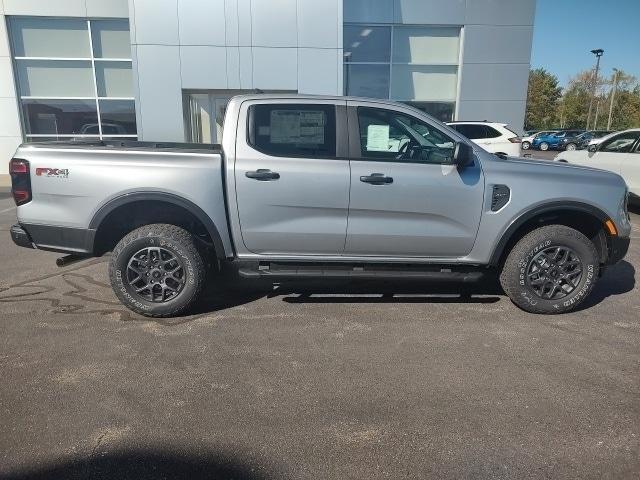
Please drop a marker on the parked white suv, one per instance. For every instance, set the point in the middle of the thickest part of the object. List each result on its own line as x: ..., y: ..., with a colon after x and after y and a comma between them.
x: 618, y: 152
x: 493, y: 137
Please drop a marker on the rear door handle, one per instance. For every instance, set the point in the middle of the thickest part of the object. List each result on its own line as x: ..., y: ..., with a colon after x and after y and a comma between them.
x: 377, y: 179
x: 263, y: 174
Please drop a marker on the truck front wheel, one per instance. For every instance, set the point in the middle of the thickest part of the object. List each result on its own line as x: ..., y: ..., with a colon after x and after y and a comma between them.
x: 157, y: 270
x: 550, y: 270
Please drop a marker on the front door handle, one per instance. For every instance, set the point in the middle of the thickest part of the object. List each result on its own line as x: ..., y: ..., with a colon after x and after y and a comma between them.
x: 377, y: 179
x: 263, y: 174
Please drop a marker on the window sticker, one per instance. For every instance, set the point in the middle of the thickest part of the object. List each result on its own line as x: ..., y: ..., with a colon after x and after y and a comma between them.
x: 378, y: 138
x: 297, y: 127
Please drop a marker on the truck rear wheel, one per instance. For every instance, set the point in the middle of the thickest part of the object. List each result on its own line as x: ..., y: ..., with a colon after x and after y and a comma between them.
x: 157, y: 270
x: 550, y: 270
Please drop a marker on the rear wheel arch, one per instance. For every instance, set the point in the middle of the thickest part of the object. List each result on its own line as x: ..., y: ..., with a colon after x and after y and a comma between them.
x: 583, y: 217
x: 164, y: 206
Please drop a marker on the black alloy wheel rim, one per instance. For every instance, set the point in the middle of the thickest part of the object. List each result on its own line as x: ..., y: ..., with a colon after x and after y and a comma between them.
x: 156, y: 274
x: 554, y: 273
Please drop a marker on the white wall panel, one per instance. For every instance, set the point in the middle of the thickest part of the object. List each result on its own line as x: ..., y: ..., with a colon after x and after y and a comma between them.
x: 203, y: 67
x: 107, y: 8
x: 500, y: 12
x: 160, y: 92
x: 53, y: 8
x: 497, y: 44
x: 156, y: 22
x: 430, y: 12
x: 317, y: 23
x: 274, y: 23
x: 318, y: 71
x: 491, y: 81
x: 202, y: 22
x: 275, y: 68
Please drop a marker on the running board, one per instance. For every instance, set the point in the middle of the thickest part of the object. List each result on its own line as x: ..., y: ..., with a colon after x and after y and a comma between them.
x: 333, y: 270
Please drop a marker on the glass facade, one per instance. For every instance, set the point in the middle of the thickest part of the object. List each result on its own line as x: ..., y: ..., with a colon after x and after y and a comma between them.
x: 413, y: 64
x: 74, y: 78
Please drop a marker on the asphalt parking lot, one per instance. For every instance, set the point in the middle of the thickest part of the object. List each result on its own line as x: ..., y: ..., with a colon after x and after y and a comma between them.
x: 309, y: 381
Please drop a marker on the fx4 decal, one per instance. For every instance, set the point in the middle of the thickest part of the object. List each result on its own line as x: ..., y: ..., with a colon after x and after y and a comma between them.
x: 52, y: 172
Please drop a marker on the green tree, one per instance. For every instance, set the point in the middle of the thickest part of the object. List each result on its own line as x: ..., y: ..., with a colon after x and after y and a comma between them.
x: 626, y: 104
x: 542, y: 100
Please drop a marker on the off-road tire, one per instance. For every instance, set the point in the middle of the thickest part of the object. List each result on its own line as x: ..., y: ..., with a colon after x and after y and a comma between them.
x: 173, y: 239
x: 515, y: 269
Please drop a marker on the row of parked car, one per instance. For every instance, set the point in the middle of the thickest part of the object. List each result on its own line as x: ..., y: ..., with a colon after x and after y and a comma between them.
x: 561, y: 139
x: 500, y: 139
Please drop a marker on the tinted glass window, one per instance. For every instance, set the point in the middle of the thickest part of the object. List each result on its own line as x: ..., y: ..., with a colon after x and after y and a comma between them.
x: 366, y: 80
x: 59, y: 116
x: 293, y: 130
x: 394, y: 136
x: 620, y: 143
x: 492, y: 132
x: 471, y: 131
x: 364, y: 43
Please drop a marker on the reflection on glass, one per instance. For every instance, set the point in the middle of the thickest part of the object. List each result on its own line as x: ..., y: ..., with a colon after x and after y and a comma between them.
x: 367, y: 80
x: 54, y: 78
x: 118, y: 117
x: 443, y: 111
x: 426, y: 45
x: 424, y: 82
x: 367, y: 43
x: 114, y: 79
x: 48, y: 37
x: 59, y: 116
x: 110, y: 38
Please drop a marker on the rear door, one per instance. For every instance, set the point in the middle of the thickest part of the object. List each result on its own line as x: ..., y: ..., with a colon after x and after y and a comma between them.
x: 292, y: 177
x: 613, y: 152
x: 407, y: 199
x: 630, y: 169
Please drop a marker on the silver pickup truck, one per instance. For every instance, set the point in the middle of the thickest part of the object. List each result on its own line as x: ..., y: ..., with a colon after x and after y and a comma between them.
x: 321, y: 186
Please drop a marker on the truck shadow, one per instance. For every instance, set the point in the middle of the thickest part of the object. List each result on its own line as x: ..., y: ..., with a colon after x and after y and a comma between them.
x: 617, y: 280
x: 146, y: 465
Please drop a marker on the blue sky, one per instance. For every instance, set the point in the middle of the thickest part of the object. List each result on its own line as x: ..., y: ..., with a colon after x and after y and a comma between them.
x: 566, y: 30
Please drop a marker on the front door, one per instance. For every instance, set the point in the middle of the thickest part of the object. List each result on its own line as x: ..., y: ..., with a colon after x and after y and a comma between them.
x: 407, y: 199
x: 292, y: 178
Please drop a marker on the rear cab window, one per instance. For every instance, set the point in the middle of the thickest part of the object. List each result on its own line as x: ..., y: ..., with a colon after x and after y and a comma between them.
x: 293, y: 130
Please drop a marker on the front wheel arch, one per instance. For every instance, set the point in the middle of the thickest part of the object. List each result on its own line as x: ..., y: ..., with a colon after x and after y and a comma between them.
x: 583, y: 217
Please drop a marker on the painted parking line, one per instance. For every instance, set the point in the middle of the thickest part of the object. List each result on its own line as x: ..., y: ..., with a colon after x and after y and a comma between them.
x: 7, y: 209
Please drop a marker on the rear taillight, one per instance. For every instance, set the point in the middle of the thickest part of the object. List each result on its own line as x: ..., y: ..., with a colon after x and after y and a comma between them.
x: 20, y: 181
x: 515, y: 140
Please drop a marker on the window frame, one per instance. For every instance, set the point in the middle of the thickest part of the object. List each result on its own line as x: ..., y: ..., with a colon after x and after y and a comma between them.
x: 632, y: 148
x: 340, y: 134
x: 92, y: 59
x: 355, y: 146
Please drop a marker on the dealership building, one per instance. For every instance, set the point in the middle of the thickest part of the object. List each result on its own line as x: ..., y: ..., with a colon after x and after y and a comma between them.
x: 164, y: 70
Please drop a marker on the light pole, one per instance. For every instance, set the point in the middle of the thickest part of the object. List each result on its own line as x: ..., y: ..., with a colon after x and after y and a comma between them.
x: 598, y: 53
x: 613, y: 96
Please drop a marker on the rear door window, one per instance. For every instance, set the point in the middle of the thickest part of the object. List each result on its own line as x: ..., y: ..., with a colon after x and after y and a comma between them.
x: 293, y: 130
x: 471, y: 131
x: 492, y: 132
x: 620, y: 143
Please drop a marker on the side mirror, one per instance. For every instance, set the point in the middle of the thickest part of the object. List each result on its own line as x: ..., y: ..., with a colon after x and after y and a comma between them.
x: 592, y: 148
x: 462, y: 155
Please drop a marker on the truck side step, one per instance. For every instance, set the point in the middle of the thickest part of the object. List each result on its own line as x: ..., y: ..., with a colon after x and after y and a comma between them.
x: 342, y: 270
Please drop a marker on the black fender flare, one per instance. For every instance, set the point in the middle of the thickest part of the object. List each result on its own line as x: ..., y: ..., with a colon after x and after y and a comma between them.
x: 540, y: 210
x: 188, y: 205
